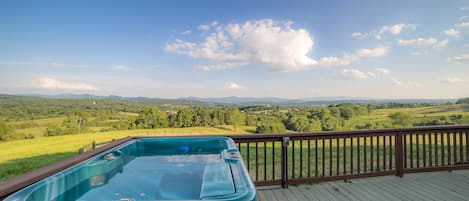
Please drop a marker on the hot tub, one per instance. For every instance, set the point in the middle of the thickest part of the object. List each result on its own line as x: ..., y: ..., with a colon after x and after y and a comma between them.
x: 151, y: 169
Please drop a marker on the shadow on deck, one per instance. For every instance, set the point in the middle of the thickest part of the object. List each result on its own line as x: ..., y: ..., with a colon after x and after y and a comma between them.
x: 417, y: 186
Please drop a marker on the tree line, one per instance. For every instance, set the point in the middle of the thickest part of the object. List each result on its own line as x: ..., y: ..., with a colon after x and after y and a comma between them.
x: 265, y: 121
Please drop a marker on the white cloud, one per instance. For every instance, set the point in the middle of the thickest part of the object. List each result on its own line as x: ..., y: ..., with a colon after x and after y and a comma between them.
x: 452, y: 80
x: 452, y: 32
x: 418, y: 41
x: 383, y: 71
x: 392, y: 29
x: 399, y: 83
x: 49, y: 83
x: 357, y: 34
x: 442, y: 43
x: 357, y: 74
x: 186, y: 32
x: 220, y: 66
x: 464, y: 8
x: 214, y: 23
x: 397, y: 28
x: 232, y: 85
x: 273, y: 44
x: 204, y: 27
x: 396, y: 82
x: 377, y: 52
x: 462, y: 59
x: 120, y: 67
x: 462, y: 24
x: 423, y: 42
x: 463, y: 17
x: 353, y: 74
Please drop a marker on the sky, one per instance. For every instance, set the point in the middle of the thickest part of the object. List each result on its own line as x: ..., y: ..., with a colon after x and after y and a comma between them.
x: 289, y: 49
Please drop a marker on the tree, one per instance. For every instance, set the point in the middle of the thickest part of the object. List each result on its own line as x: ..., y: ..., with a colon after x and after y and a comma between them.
x: 184, y: 118
x: 218, y: 118
x: 347, y: 111
x: 330, y: 123
x: 297, y: 122
x: 251, y: 120
x: 76, y: 122
x: 201, y: 117
x: 462, y: 101
x: 323, y: 113
x: 401, y: 119
x: 270, y: 127
x: 6, y: 131
x: 53, y: 131
x: 234, y: 117
x: 151, y: 117
x: 314, y: 125
x: 335, y: 110
x: 371, y: 108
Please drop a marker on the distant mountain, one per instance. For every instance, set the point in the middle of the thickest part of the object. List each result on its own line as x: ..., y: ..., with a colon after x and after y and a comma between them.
x: 238, y: 100
x: 112, y: 97
x: 252, y: 100
x: 311, y: 101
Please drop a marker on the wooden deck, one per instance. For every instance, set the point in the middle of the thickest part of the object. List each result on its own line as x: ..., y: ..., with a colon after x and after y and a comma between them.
x: 417, y: 186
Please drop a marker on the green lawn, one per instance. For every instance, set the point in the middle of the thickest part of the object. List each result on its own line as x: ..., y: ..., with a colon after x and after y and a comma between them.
x: 56, y: 121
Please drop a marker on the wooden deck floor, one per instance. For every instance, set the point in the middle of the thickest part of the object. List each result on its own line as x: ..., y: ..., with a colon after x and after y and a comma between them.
x: 417, y: 186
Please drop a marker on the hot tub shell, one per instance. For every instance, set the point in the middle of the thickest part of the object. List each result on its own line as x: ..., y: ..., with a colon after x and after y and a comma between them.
x: 186, y: 168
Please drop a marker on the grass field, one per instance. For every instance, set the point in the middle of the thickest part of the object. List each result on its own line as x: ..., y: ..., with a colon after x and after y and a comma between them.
x: 36, y: 127
x: 419, y: 114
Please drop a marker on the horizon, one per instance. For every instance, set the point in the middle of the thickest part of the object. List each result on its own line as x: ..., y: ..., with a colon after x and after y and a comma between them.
x: 318, y: 98
x: 261, y: 49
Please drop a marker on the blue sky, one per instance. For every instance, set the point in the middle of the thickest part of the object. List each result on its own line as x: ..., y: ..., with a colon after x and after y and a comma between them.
x: 292, y: 49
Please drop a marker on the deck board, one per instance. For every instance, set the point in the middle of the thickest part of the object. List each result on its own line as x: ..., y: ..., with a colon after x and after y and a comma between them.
x: 416, y: 186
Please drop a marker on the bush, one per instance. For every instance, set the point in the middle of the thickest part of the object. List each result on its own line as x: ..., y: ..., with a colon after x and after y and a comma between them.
x: 53, y: 131
x: 270, y: 127
x: 462, y: 100
x: 401, y: 119
x: 443, y: 120
x: 29, y: 136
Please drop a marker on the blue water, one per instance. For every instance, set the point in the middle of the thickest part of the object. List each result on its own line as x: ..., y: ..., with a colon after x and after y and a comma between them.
x: 151, y: 169
x: 176, y: 177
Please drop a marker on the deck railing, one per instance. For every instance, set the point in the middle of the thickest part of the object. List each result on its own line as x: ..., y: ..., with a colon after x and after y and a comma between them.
x: 93, y: 145
x: 282, y: 159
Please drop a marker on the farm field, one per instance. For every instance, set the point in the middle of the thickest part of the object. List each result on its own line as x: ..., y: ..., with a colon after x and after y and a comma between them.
x: 420, y: 114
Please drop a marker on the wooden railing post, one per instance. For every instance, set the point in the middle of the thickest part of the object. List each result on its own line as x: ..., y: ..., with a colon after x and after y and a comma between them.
x: 93, y: 145
x: 284, y: 169
x: 399, y: 155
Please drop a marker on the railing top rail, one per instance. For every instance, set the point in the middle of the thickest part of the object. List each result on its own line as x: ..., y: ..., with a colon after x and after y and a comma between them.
x: 353, y: 132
